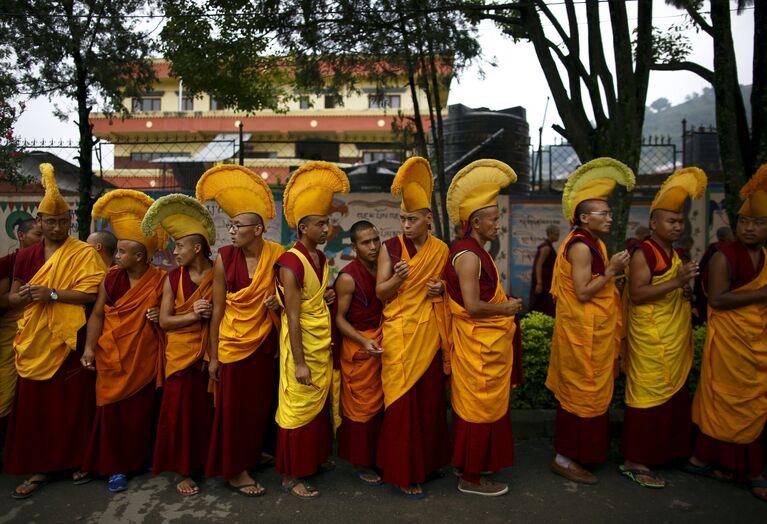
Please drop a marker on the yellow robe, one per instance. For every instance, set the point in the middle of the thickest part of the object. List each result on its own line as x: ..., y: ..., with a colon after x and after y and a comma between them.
x: 586, y: 342
x: 414, y: 324
x: 481, y: 362
x: 247, y: 322
x: 659, y: 344
x: 300, y: 404
x: 361, y: 393
x: 47, y: 331
x: 8, y: 372
x: 730, y: 403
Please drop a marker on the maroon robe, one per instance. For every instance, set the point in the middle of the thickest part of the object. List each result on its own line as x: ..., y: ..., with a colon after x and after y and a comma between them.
x: 478, y: 447
x: 414, y: 440
x: 186, y: 412
x: 741, y: 458
x: 62, y: 405
x: 583, y: 439
x: 122, y: 432
x: 301, y: 451
x: 543, y: 301
x: 6, y: 273
x: 246, y: 388
x: 357, y: 441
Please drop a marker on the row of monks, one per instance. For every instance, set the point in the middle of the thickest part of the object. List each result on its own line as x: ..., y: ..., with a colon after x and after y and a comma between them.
x: 259, y: 335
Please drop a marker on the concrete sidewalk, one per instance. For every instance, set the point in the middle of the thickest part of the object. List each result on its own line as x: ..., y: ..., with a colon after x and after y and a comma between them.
x: 536, y: 495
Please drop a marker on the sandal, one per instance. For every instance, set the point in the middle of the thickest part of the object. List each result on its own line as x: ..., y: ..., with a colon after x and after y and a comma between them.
x: 635, y: 473
x: 708, y: 471
x: 191, y: 488
x: 240, y: 489
x: 753, y: 484
x: 326, y: 467
x: 80, y: 477
x: 413, y: 496
x: 117, y: 483
x: 310, y: 490
x: 29, y: 483
x: 361, y: 473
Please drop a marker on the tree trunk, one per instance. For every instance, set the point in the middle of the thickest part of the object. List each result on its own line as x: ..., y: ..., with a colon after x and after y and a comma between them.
x: 85, y: 203
x: 759, y: 86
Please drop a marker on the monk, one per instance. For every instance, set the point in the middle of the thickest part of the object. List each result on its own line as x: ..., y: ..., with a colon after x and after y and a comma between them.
x: 658, y: 356
x: 124, y: 344
x: 186, y: 412
x: 414, y: 439
x: 483, y: 331
x: 729, y: 407
x: 28, y: 233
x: 587, y: 331
x: 358, y: 318
x: 700, y: 310
x: 304, y: 432
x: 53, y: 280
x: 543, y: 266
x: 105, y: 244
x: 243, y: 336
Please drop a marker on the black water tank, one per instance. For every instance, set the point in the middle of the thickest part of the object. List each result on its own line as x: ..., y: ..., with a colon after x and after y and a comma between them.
x: 467, y: 128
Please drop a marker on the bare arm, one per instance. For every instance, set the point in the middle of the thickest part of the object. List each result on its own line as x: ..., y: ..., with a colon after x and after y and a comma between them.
x: 293, y: 312
x: 168, y: 320
x: 67, y: 296
x: 15, y: 298
x: 719, y: 294
x: 344, y: 294
x: 95, y: 326
x: 580, y: 257
x: 217, y: 314
x: 467, y: 266
x: 388, y: 278
x: 642, y: 291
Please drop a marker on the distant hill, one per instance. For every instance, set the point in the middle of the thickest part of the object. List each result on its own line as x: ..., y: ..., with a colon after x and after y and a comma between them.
x: 698, y: 110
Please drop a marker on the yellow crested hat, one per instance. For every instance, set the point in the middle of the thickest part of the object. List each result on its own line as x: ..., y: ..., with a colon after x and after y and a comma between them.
x: 414, y: 184
x: 52, y: 203
x: 686, y: 182
x: 310, y: 190
x: 180, y: 216
x: 594, y: 180
x: 237, y: 190
x: 125, y: 209
x: 476, y: 187
x: 754, y: 195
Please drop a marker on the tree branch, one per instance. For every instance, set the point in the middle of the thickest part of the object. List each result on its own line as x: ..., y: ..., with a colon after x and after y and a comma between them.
x: 705, y: 73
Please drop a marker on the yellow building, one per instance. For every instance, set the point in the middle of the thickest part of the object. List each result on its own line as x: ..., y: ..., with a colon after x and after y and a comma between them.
x: 172, y: 137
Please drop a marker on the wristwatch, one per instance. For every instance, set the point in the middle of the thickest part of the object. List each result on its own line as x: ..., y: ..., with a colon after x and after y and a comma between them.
x: 54, y: 295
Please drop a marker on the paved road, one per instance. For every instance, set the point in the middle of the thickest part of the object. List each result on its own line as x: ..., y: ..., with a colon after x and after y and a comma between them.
x: 536, y: 496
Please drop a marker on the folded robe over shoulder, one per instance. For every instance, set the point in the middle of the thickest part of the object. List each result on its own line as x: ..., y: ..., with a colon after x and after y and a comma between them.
x: 587, y: 335
x: 47, y: 331
x: 128, y: 351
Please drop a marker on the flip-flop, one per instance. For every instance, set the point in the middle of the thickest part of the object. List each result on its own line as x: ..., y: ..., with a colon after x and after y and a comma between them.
x: 635, y: 473
x: 81, y: 477
x: 38, y: 485
x: 757, y: 483
x: 117, y: 483
x: 707, y: 470
x: 239, y: 489
x: 289, y: 488
x: 413, y: 496
x: 193, y: 489
x: 360, y: 474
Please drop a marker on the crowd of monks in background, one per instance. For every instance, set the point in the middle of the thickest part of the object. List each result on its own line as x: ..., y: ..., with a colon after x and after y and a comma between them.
x: 224, y: 366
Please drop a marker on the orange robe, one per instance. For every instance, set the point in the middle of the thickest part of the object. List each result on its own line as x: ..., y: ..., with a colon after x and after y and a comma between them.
x: 584, y: 348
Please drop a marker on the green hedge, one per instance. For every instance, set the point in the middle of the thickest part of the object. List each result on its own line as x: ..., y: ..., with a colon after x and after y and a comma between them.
x: 537, y: 332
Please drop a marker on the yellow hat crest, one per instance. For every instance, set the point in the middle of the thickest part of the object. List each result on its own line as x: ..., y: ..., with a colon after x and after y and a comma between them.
x: 686, y: 182
x: 125, y: 209
x: 237, y: 190
x: 52, y: 203
x: 414, y: 184
x: 754, y: 194
x: 180, y: 216
x: 476, y: 187
x: 310, y: 190
x: 594, y: 180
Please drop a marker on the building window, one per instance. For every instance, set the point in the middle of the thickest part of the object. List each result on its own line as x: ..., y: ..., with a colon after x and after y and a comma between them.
x: 215, y: 105
x: 262, y: 154
x: 303, y: 102
x: 374, y: 156
x: 330, y: 102
x: 384, y: 102
x: 147, y: 104
x: 187, y: 104
x: 147, y: 156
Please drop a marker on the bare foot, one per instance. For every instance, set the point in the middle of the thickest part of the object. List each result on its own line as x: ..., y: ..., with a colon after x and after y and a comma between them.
x: 187, y: 487
x: 413, y: 491
x: 299, y: 488
x: 29, y: 486
x: 246, y: 485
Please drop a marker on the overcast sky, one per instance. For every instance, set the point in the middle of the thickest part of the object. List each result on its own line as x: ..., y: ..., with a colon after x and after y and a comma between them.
x: 516, y: 81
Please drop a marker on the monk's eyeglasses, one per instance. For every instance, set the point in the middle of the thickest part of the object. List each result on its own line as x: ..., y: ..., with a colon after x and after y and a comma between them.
x: 601, y: 213
x: 236, y: 227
